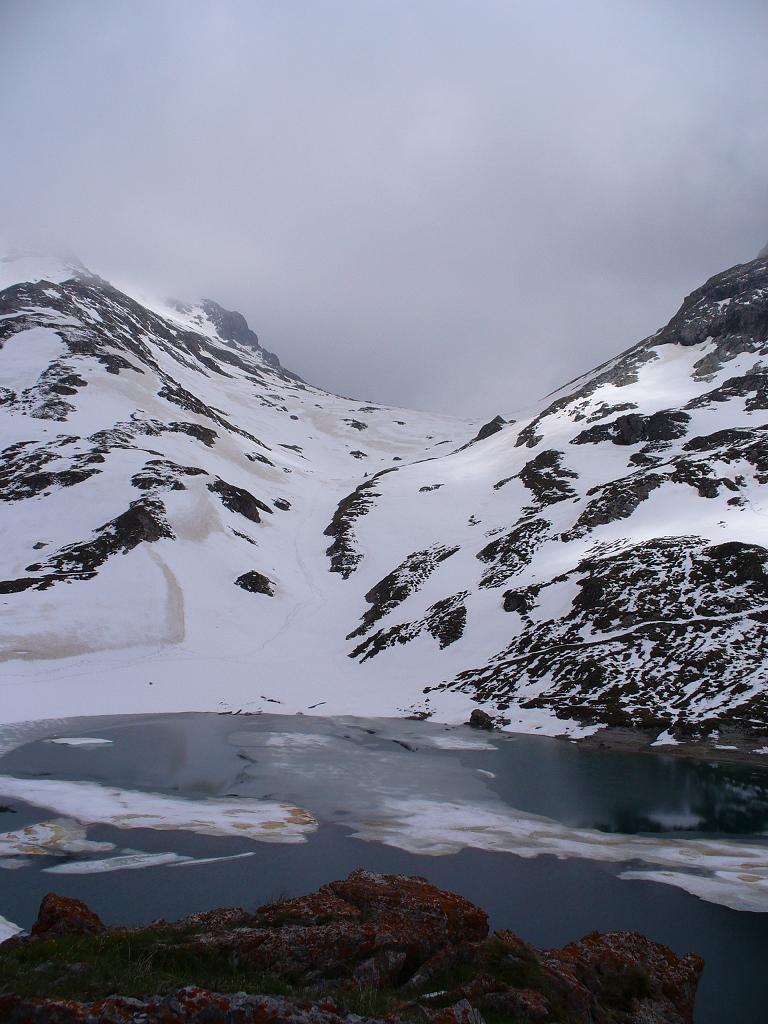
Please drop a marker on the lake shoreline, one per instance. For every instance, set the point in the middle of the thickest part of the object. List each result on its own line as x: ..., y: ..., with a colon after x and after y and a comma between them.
x: 733, y: 746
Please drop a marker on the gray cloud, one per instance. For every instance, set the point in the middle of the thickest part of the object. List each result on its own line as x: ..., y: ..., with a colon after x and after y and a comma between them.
x: 448, y: 204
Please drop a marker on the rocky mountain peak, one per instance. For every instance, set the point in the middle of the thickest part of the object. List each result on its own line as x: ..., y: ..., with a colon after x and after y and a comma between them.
x: 232, y: 326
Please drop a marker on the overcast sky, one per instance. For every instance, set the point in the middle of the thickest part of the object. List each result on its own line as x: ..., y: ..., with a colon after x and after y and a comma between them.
x: 447, y: 204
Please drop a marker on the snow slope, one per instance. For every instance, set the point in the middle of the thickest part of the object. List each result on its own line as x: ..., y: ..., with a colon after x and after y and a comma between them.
x: 184, y: 524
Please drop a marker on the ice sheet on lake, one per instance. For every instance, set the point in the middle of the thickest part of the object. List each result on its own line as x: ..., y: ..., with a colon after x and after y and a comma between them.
x: 90, y: 803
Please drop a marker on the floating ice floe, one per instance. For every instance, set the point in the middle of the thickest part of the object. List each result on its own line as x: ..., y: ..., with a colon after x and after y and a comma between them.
x: 728, y: 888
x: 48, y: 839
x: 89, y: 803
x: 8, y: 929
x: 14, y: 863
x: 296, y: 739
x: 130, y: 860
x: 81, y: 741
x: 122, y: 862
x: 458, y: 741
x: 194, y: 862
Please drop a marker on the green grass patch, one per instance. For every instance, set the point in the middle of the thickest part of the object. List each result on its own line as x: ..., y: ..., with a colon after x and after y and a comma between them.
x: 149, y: 962
x: 156, y: 961
x: 619, y: 991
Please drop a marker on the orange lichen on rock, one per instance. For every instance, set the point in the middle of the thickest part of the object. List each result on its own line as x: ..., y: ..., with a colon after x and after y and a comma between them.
x: 60, y: 915
x: 424, y: 953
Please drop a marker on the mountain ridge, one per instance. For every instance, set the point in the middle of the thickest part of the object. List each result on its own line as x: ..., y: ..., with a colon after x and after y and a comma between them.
x: 600, y: 560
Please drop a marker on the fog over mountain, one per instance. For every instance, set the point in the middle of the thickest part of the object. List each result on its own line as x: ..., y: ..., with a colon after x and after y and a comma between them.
x: 443, y: 205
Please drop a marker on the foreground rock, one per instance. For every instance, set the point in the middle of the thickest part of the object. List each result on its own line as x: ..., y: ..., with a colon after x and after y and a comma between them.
x: 370, y: 947
x: 60, y: 915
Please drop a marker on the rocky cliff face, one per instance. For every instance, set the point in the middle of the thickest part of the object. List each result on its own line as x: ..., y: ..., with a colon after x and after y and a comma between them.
x: 370, y: 947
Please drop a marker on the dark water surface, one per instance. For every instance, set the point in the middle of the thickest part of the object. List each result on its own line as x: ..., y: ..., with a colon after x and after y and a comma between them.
x: 356, y: 776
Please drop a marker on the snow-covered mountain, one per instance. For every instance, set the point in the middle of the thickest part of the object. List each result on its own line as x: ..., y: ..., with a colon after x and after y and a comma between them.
x: 187, y: 525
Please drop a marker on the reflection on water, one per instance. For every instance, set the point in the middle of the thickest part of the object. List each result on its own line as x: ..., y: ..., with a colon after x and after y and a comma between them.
x: 632, y: 793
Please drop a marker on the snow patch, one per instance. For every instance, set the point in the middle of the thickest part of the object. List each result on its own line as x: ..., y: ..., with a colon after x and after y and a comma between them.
x: 26, y: 354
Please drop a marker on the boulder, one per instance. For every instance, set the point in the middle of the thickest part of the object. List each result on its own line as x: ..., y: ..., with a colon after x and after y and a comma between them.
x: 61, y: 915
x: 480, y: 719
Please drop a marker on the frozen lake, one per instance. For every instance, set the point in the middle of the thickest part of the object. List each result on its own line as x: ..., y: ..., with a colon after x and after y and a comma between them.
x: 160, y: 816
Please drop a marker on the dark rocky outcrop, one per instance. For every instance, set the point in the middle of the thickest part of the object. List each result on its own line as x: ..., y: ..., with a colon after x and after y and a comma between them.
x: 508, y: 555
x: 397, y: 585
x: 256, y: 583
x: 617, y: 499
x: 647, y: 630
x: 24, y: 473
x: 237, y: 499
x: 480, y: 719
x: 445, y: 620
x: 487, y: 430
x: 232, y: 326
x: 547, y: 478
x: 491, y: 427
x: 143, y: 521
x: 516, y: 601
x: 343, y: 552
x: 164, y: 475
x: 632, y: 428
x: 389, y: 947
